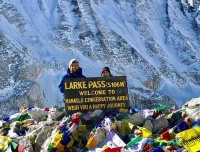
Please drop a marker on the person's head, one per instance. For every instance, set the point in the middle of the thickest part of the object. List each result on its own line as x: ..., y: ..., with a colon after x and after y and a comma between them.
x: 74, y: 66
x: 105, y: 72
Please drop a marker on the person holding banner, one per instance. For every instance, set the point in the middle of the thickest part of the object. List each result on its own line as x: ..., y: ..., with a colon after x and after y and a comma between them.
x: 105, y: 72
x: 74, y: 71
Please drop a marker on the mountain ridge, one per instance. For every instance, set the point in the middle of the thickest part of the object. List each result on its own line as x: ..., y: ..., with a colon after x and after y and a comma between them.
x: 155, y: 44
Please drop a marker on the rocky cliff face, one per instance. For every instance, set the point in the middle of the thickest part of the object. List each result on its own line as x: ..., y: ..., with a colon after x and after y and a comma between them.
x: 154, y: 43
x: 18, y: 74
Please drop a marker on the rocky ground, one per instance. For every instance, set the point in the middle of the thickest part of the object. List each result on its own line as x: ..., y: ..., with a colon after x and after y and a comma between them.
x: 160, y: 129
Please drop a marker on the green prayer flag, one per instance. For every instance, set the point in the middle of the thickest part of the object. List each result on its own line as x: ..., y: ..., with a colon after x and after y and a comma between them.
x: 14, y: 146
x: 133, y: 141
x: 22, y: 117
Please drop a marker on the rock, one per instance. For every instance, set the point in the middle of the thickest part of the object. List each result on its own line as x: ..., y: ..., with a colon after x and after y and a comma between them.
x: 29, y: 121
x: 24, y: 142
x: 36, y: 114
x: 56, y: 112
x: 3, y: 124
x: 25, y: 95
x: 147, y: 113
x: 193, y: 102
x: 190, y: 111
x: 196, y: 23
x: 159, y: 123
x: 48, y: 140
x: 136, y: 119
x: 175, y: 118
x: 148, y: 124
x: 44, y: 133
x: 46, y: 143
x: 194, y: 117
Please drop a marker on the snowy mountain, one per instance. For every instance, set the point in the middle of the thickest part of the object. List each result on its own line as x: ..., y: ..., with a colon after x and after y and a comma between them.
x: 155, y: 43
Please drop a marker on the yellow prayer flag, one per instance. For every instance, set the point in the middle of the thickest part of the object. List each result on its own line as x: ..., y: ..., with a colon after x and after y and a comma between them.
x: 145, y: 132
x: 114, y: 125
x: 82, y: 128
x: 70, y: 144
x: 123, y: 110
x: 125, y: 127
x: 169, y: 115
x: 92, y: 142
x: 4, y: 142
x: 190, y: 139
x: 59, y: 147
x: 57, y: 138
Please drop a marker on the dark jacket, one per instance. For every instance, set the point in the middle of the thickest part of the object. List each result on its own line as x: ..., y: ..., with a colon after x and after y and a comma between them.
x: 69, y: 75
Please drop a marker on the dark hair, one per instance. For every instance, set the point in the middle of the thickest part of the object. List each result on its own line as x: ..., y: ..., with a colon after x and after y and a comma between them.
x: 106, y: 69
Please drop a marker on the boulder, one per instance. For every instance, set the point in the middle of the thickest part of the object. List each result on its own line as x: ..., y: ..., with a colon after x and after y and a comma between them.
x: 159, y: 123
x: 136, y: 119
